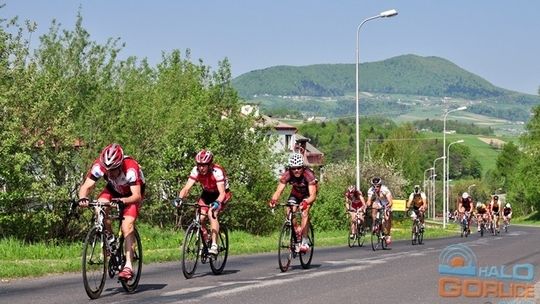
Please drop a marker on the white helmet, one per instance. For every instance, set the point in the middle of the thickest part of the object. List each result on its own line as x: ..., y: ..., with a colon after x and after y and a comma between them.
x: 478, y: 204
x: 508, y: 205
x: 465, y: 195
x: 296, y: 160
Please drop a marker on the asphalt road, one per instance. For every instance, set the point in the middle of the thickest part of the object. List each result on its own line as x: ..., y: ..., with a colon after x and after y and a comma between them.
x: 404, y: 274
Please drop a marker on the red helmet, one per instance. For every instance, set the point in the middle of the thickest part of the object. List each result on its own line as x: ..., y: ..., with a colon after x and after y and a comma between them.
x: 204, y: 157
x: 112, y: 156
x: 351, y: 189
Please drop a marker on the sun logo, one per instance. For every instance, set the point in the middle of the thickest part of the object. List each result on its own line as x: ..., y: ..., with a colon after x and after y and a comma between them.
x: 457, y: 260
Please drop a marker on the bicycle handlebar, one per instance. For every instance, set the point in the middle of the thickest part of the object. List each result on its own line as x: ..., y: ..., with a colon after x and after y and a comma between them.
x: 178, y: 203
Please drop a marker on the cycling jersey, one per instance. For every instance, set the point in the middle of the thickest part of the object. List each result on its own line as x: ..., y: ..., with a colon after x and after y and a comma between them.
x: 417, y: 199
x: 130, y: 175
x: 481, y: 209
x: 507, y: 211
x: 494, y: 207
x: 466, y: 203
x: 300, y: 185
x: 382, y: 196
x: 209, y: 181
x: 354, y: 199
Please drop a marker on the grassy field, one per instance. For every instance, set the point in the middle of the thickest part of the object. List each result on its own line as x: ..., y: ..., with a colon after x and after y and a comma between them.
x: 18, y: 259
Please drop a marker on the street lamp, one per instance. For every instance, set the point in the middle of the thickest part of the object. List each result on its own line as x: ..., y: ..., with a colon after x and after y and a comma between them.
x: 444, y: 154
x: 433, y: 187
x: 389, y: 13
x: 446, y: 199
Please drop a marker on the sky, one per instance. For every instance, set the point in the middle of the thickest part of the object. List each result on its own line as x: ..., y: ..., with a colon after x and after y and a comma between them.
x: 495, y: 39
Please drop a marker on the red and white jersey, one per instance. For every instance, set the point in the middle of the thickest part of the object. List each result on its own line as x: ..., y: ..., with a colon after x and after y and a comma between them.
x: 209, y: 182
x: 130, y: 175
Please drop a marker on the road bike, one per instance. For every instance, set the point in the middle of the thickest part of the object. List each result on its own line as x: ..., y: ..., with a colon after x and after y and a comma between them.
x: 197, y: 242
x: 465, y: 228
x: 494, y: 228
x: 417, y: 231
x: 290, y: 241
x: 482, y: 224
x: 103, y: 253
x: 378, y: 234
x: 359, y: 235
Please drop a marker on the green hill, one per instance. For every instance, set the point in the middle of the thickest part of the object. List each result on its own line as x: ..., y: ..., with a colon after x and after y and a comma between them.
x: 406, y: 74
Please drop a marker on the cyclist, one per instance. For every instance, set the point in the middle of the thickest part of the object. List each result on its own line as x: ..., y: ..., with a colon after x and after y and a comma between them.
x: 418, y: 203
x: 354, y: 201
x: 303, y: 192
x: 125, y: 182
x: 482, y: 214
x: 215, y: 191
x: 495, y: 208
x: 507, y: 213
x: 465, y: 203
x: 379, y: 196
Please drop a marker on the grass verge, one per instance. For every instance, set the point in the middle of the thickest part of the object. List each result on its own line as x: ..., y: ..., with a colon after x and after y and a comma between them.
x: 18, y: 259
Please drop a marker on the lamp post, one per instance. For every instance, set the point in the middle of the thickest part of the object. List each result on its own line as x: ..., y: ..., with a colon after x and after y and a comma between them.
x: 385, y: 14
x: 425, y: 185
x: 444, y: 166
x: 433, y: 195
x: 446, y: 199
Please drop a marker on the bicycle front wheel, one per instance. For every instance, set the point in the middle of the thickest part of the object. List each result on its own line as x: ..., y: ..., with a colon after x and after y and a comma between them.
x: 217, y: 263
x: 352, y: 238
x: 305, y: 258
x: 376, y: 236
x: 190, y: 250
x: 136, y: 262
x: 414, y: 234
x: 94, y: 263
x: 285, y: 247
x: 361, y: 234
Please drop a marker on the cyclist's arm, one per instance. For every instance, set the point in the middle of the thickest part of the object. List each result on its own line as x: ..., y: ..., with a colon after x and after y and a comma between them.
x: 409, y: 201
x: 312, y: 188
x: 221, y: 189
x: 347, y: 203
x: 135, y: 196
x: 87, y: 187
x: 390, y: 199
x: 424, y: 200
x: 184, y: 192
x: 281, y: 186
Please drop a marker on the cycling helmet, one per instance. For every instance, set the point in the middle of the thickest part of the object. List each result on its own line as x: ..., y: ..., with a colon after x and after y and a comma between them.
x: 507, y: 205
x: 416, y: 188
x: 496, y: 197
x: 112, y: 156
x: 351, y: 189
x: 204, y: 157
x: 376, y: 181
x: 296, y: 160
x: 465, y: 195
x: 478, y: 204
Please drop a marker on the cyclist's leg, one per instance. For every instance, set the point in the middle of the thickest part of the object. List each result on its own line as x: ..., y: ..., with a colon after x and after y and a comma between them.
x: 106, y: 196
x: 374, y: 209
x: 388, y: 215
x: 352, y: 215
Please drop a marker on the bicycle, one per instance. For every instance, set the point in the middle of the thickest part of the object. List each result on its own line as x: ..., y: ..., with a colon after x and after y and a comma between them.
x: 482, y: 225
x: 494, y: 220
x: 378, y: 235
x: 289, y: 241
x: 417, y: 231
x: 358, y: 236
x: 100, y: 256
x: 465, y: 228
x: 197, y: 243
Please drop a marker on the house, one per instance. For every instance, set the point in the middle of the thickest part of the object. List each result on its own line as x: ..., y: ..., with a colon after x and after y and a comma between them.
x: 288, y: 139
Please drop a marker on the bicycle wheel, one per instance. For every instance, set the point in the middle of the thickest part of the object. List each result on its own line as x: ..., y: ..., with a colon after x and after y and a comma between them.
x: 94, y: 263
x: 285, y: 247
x: 217, y: 263
x: 361, y: 234
x: 375, y: 236
x: 352, y: 240
x: 420, y: 239
x: 136, y: 263
x: 414, y: 233
x: 190, y: 250
x: 482, y: 228
x: 305, y: 258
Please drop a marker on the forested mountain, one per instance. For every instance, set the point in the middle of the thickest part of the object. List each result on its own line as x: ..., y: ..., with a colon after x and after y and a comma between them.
x: 406, y: 74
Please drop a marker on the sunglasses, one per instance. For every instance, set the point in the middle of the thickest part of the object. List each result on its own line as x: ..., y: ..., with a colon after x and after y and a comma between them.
x: 202, y: 165
x: 297, y: 168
